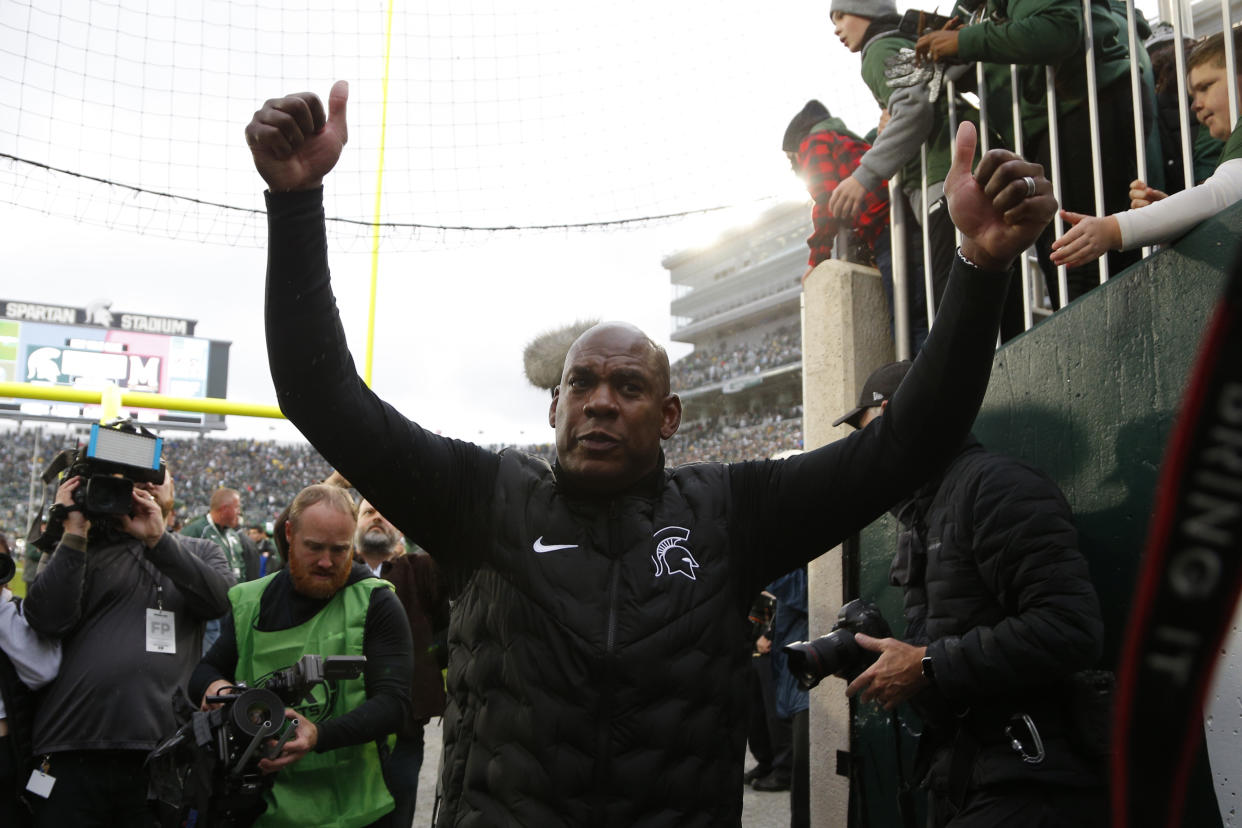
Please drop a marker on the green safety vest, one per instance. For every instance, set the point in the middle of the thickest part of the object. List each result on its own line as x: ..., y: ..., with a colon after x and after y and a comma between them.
x: 342, y: 788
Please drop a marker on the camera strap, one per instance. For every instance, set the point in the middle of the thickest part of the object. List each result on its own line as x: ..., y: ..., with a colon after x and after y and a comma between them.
x: 1188, y: 584
x: 59, y: 463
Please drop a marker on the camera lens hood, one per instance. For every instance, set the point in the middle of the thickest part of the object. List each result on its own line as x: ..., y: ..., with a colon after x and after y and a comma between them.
x: 257, y: 709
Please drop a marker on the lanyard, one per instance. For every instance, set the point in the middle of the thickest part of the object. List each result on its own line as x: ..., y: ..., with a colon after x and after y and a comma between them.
x: 226, y: 543
x: 147, y: 567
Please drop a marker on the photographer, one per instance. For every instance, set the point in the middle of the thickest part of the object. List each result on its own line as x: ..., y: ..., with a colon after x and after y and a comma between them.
x: 323, y: 603
x: 1001, y: 614
x: 128, y: 602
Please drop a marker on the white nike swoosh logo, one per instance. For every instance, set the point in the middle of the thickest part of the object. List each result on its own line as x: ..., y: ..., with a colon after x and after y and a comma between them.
x: 542, y: 547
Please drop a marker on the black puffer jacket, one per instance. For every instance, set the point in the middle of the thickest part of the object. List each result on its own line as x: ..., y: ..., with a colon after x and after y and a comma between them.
x: 997, y: 589
x: 599, y: 649
x: 632, y: 717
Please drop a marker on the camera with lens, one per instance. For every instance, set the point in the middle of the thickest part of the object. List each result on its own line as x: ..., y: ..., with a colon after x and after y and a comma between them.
x: 837, y: 653
x: 207, y: 773
x: 115, y: 457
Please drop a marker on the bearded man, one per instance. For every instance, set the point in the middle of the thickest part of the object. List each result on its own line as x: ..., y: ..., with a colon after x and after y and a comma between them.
x: 322, y: 603
x: 417, y: 581
x: 376, y: 541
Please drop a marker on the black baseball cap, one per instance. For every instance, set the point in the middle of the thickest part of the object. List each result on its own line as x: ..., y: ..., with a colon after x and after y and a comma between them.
x: 880, y: 386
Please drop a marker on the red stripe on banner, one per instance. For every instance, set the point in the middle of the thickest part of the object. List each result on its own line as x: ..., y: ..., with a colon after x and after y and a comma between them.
x: 1148, y: 589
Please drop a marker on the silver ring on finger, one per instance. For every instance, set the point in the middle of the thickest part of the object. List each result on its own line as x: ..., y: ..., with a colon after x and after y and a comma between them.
x: 1030, y: 185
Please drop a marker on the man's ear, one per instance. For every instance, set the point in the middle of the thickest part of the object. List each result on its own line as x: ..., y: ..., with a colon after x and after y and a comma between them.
x: 556, y: 394
x: 672, y: 416
x: 289, y: 532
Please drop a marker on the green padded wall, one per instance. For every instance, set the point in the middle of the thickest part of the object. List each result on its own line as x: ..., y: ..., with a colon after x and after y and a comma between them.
x: 1089, y: 397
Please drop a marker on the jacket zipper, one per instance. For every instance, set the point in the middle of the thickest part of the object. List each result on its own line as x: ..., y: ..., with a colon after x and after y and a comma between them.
x: 603, y: 752
x: 614, y: 579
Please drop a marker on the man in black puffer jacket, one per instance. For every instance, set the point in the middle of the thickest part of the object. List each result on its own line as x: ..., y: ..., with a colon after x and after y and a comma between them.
x: 1000, y: 615
x: 599, y: 647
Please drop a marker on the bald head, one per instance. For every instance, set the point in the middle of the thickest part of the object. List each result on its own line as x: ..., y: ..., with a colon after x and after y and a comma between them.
x: 613, y: 407
x: 622, y: 337
x: 225, y: 507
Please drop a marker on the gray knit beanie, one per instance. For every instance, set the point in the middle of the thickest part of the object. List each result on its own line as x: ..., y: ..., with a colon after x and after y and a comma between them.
x: 871, y: 9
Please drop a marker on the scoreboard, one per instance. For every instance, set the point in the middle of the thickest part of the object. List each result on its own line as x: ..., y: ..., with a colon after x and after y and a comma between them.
x: 87, y: 348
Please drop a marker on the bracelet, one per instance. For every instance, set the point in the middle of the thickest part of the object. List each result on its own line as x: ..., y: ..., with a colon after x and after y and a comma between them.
x: 965, y: 260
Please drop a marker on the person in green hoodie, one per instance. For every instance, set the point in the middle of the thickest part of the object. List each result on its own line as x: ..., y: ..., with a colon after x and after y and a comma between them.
x: 917, y: 115
x: 1035, y: 34
x: 917, y: 102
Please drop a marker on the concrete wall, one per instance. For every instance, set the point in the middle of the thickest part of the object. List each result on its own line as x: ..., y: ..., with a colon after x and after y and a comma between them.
x: 1089, y: 396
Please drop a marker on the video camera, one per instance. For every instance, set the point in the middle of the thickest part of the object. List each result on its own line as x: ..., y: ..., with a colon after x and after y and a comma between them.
x: 837, y: 653
x: 207, y: 773
x: 123, y: 448
x: 116, y: 456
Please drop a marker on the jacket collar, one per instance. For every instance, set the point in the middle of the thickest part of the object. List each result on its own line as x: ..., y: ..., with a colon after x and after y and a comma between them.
x: 647, y: 486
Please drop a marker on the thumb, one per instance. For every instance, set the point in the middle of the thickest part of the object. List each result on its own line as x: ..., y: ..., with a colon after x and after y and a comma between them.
x: 1072, y: 218
x: 963, y: 152
x: 336, y: 106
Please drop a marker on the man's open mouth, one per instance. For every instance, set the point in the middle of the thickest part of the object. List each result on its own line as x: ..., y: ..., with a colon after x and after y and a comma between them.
x: 597, y: 441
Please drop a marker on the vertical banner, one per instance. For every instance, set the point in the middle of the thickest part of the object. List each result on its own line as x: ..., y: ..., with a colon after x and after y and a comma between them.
x: 1188, y: 585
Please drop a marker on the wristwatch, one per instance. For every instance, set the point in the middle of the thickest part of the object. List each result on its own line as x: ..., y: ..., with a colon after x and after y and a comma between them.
x: 929, y: 670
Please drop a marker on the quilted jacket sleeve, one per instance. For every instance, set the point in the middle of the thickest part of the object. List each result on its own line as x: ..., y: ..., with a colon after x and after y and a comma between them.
x: 433, y: 489
x: 1017, y: 525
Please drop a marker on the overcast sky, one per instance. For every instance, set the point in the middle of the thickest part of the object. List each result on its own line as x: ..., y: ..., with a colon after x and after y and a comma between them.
x: 499, y: 114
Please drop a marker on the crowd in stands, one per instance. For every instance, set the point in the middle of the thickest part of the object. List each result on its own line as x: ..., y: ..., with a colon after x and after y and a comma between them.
x: 749, y: 438
x: 708, y: 365
x: 16, y: 450
x: 266, y: 474
x: 269, y: 474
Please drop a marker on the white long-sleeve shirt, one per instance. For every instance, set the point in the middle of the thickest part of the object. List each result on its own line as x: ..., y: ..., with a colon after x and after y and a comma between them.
x: 36, y: 659
x: 1167, y: 219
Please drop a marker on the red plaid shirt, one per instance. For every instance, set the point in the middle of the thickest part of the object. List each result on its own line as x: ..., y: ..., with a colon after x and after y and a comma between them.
x: 827, y: 158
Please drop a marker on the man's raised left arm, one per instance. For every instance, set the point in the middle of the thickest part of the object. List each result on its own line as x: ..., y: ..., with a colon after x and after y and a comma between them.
x: 809, y: 503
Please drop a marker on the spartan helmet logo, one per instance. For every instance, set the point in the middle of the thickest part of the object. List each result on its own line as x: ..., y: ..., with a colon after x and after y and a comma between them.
x: 670, y: 556
x: 98, y: 313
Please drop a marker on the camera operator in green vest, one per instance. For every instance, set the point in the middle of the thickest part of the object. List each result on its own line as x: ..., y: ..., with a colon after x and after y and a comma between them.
x: 322, y: 603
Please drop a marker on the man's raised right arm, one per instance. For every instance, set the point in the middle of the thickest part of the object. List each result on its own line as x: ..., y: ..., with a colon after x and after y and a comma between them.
x: 427, y: 485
